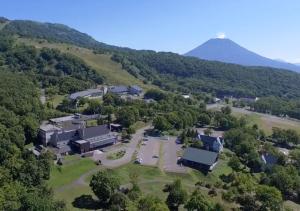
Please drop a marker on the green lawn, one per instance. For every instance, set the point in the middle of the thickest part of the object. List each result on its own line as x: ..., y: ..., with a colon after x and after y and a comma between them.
x: 56, y: 100
x: 71, y: 193
x: 151, y: 179
x: 267, y: 124
x: 69, y: 172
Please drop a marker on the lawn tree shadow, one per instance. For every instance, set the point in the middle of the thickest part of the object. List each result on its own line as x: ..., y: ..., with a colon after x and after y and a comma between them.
x: 87, y: 202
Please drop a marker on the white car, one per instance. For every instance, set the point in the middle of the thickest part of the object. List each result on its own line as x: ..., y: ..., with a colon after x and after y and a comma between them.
x: 138, y: 161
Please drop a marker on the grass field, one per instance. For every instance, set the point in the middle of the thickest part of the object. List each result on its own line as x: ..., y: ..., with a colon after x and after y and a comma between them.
x: 150, y: 179
x: 69, y: 172
x: 264, y: 121
x: 268, y: 122
x: 112, y: 71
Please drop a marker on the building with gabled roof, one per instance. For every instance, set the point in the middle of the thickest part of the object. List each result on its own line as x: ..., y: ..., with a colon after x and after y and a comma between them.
x: 124, y: 90
x: 199, y: 159
x: 89, y: 93
x: 119, y: 90
x: 211, y: 143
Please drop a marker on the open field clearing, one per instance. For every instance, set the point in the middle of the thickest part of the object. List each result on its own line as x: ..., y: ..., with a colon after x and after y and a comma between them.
x: 264, y: 121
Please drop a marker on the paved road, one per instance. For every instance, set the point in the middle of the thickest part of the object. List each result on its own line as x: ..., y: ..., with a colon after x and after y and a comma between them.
x: 130, y: 148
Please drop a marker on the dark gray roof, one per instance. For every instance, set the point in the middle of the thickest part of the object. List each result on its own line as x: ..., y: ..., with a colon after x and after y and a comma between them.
x: 85, y: 93
x: 208, y: 140
x: 67, y: 136
x: 136, y: 87
x: 91, y: 132
x: 200, y: 156
x: 269, y: 159
x: 119, y: 89
x: 64, y: 149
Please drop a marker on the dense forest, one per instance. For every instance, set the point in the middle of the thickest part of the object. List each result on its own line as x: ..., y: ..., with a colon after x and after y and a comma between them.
x: 22, y: 175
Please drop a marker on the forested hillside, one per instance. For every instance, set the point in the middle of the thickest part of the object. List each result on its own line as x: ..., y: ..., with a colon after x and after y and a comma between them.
x: 59, y: 72
x: 52, y: 32
x: 22, y: 176
x: 172, y: 71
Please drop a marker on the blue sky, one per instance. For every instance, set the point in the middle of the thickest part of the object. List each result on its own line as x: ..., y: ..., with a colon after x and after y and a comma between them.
x: 268, y: 27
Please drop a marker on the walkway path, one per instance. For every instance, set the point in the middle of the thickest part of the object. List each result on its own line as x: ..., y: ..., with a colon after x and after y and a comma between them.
x: 130, y: 148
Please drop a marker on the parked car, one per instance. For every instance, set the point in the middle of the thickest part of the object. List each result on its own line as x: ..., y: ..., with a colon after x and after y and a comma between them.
x: 138, y: 161
x: 179, y: 161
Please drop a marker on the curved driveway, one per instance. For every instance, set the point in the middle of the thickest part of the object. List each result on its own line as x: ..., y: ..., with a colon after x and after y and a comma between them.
x: 130, y: 148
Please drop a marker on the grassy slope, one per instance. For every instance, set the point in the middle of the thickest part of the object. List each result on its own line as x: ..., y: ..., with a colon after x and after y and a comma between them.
x: 112, y: 71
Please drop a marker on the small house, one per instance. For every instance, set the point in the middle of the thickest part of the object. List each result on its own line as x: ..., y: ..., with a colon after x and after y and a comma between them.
x: 211, y: 143
x: 269, y: 159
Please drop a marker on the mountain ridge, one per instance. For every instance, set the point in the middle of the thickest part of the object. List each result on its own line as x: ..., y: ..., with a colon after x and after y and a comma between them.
x: 226, y: 50
x: 168, y: 71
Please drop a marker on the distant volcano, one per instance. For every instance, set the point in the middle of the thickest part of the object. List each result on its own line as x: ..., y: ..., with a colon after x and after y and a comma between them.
x: 225, y: 50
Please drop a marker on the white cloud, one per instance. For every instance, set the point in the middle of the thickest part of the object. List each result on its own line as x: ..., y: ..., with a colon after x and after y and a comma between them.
x: 221, y: 35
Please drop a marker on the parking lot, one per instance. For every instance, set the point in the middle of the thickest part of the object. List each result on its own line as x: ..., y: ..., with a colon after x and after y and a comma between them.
x: 170, y: 155
x: 149, y: 153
